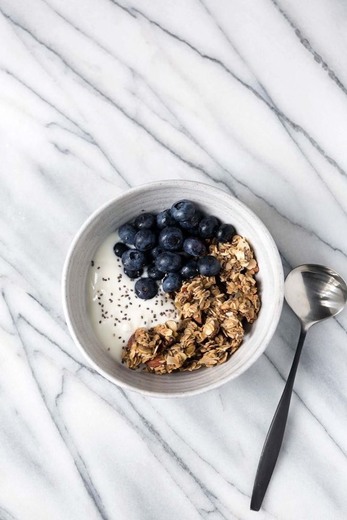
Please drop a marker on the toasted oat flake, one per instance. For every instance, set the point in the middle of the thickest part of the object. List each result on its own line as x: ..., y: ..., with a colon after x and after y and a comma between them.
x: 212, y: 312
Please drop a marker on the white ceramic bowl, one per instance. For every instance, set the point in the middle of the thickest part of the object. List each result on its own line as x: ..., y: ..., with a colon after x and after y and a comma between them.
x: 156, y: 197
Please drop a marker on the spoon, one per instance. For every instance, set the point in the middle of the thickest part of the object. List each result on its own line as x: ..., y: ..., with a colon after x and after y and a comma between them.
x: 314, y: 293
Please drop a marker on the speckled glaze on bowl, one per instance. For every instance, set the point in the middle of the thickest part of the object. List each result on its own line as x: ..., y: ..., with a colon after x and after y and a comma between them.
x: 156, y: 197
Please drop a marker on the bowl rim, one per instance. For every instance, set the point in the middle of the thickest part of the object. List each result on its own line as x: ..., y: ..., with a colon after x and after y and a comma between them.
x: 219, y: 382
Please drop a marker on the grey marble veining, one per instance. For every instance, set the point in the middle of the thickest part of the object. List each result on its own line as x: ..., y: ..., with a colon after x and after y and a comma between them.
x: 100, y: 95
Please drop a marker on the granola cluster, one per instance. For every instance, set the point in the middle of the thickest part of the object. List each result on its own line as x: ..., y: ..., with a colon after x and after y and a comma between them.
x: 212, y: 312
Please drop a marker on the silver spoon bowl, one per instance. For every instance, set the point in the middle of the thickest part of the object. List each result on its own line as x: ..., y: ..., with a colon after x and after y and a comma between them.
x: 314, y: 293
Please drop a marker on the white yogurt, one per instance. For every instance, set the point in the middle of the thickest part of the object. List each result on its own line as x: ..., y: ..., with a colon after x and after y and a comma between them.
x: 114, y: 309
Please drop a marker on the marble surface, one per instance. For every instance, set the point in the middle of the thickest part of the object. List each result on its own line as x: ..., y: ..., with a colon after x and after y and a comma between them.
x: 100, y: 95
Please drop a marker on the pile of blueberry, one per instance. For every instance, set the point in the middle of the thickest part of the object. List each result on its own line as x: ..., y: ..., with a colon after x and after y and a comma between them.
x: 172, y: 245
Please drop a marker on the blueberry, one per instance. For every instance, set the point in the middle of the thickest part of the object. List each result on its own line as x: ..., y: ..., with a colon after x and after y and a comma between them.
x: 225, y: 233
x: 208, y: 227
x: 168, y: 262
x: 119, y: 249
x: 208, y: 266
x: 171, y: 238
x: 153, y: 272
x: 183, y: 210
x: 156, y: 251
x: 189, y: 270
x: 133, y: 273
x: 172, y: 282
x: 146, y: 288
x: 192, y: 223
x: 133, y: 259
x: 127, y: 234
x: 145, y: 240
x: 194, y: 247
x: 164, y: 218
x: 145, y: 221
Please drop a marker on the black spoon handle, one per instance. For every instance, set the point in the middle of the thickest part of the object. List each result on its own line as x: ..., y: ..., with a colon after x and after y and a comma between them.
x: 275, y: 434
